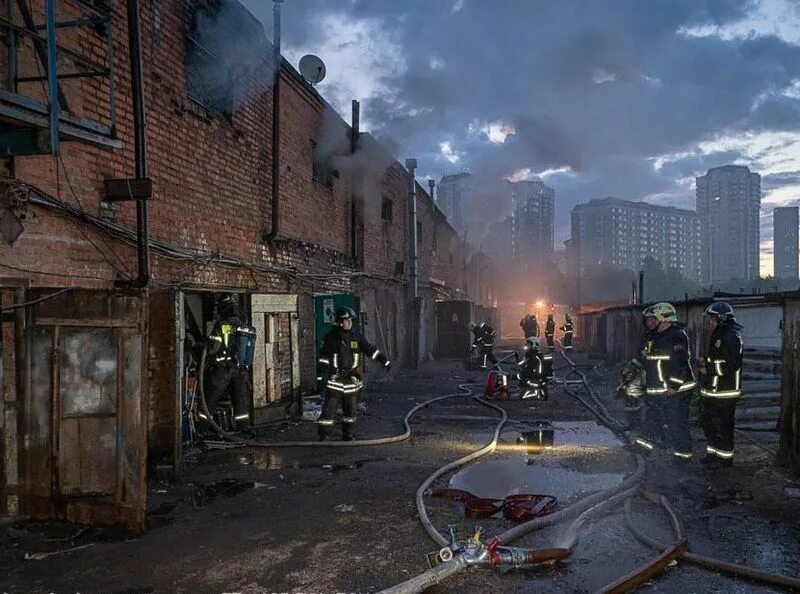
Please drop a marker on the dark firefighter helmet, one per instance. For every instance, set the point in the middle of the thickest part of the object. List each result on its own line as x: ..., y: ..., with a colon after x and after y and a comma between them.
x: 549, y: 316
x: 533, y: 316
x: 723, y: 311
x: 228, y: 307
x: 569, y: 318
x: 344, y: 313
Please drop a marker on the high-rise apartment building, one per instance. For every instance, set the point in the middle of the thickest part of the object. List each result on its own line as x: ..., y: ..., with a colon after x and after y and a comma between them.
x: 729, y: 207
x: 623, y: 233
x: 533, y: 224
x: 786, y: 225
x: 453, y: 198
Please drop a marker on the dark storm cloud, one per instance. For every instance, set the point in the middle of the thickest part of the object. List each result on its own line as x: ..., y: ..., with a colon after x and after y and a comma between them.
x: 601, y: 87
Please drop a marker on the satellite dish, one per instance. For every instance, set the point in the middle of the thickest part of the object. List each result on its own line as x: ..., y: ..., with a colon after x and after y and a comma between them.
x: 312, y: 68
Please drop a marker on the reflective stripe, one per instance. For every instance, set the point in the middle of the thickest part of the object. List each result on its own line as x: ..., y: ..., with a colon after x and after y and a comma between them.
x: 738, y: 379
x: 387, y: 363
x: 660, y: 371
x: 725, y: 454
x: 326, y: 422
x: 242, y: 416
x: 676, y: 380
x: 644, y: 443
x: 656, y: 390
x: 319, y: 378
x: 718, y: 366
x: 687, y: 386
x: 325, y: 361
x: 685, y: 456
x: 336, y: 361
x: 375, y: 354
x: 348, y: 419
x: 657, y: 357
x: 723, y: 394
x: 202, y: 415
x: 714, y: 382
x: 217, y: 338
x: 356, y: 360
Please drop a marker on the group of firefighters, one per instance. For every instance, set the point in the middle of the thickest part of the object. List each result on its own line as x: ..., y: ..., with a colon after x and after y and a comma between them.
x: 657, y: 384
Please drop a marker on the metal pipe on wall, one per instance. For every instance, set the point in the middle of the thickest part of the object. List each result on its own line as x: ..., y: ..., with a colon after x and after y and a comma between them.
x: 275, y: 224
x: 139, y: 142
x: 355, y: 131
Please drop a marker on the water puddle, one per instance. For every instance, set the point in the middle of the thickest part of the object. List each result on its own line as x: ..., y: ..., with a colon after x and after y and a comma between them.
x: 574, y: 434
x: 500, y: 478
x: 276, y: 461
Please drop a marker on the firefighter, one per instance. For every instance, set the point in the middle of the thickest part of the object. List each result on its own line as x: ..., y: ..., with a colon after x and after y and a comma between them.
x: 669, y: 383
x: 230, y: 351
x: 631, y: 390
x: 550, y: 330
x: 568, y: 330
x: 484, y: 343
x: 340, y: 357
x: 529, y: 326
x: 721, y: 382
x: 533, y: 371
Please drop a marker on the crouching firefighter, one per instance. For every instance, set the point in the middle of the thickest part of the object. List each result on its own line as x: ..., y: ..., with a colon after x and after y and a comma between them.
x: 721, y: 383
x: 230, y: 351
x: 568, y: 328
x: 484, y: 342
x: 340, y: 356
x: 533, y: 375
x: 669, y: 383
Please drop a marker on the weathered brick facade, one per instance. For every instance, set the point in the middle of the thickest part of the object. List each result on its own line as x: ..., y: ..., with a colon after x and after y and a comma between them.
x: 212, y: 180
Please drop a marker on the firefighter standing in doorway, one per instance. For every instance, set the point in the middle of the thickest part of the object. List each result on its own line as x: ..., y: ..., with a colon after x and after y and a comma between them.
x: 484, y: 342
x: 721, y: 382
x: 340, y: 357
x: 550, y: 330
x: 231, y: 346
x: 669, y: 383
x: 568, y: 330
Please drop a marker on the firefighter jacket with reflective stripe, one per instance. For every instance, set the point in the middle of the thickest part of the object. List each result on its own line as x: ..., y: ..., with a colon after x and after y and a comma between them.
x: 484, y: 336
x: 666, y: 358
x: 723, y: 377
x: 533, y: 368
x: 567, y: 328
x: 342, y: 353
x: 530, y: 327
x: 550, y: 327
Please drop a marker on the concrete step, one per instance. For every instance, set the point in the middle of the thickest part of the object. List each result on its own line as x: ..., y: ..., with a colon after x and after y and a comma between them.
x: 763, y: 399
x: 767, y: 385
x: 758, y: 413
x: 769, y: 425
x: 763, y: 353
x: 759, y: 375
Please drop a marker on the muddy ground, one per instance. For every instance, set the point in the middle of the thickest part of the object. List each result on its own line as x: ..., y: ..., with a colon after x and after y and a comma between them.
x: 343, y: 520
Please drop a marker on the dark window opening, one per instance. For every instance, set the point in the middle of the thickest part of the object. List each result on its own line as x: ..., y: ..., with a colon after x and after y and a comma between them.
x: 225, y: 45
x: 386, y: 209
x: 321, y: 170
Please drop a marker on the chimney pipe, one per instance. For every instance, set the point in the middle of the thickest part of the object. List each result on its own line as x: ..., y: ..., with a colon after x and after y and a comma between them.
x: 432, y: 185
x: 355, y: 131
x: 641, y: 287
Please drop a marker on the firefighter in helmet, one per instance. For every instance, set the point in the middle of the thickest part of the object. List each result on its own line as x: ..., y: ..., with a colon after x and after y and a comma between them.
x: 533, y: 371
x: 669, y: 384
x: 484, y: 342
x: 340, y: 356
x: 530, y: 326
x: 568, y: 329
x: 721, y: 382
x: 231, y: 346
x: 550, y: 330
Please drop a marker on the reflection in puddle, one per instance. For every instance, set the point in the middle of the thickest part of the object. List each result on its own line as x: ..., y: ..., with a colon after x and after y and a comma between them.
x: 500, y: 478
x: 275, y: 461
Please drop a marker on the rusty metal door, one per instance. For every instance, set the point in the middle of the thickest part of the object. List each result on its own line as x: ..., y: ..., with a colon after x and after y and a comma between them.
x: 85, y: 436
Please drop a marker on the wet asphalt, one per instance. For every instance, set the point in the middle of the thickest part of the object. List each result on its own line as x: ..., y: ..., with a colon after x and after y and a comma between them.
x: 304, y: 520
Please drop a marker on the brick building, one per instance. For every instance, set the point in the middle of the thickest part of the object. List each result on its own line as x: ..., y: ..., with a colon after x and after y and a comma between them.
x: 342, y: 233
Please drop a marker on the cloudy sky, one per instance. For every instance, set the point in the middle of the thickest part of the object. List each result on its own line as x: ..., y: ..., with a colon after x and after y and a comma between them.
x: 627, y: 98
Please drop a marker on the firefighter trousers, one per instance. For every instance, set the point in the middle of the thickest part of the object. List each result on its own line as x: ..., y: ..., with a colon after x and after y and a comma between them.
x: 347, y: 396
x: 568, y: 341
x: 487, y: 356
x: 235, y: 381
x: 666, y: 424
x: 718, y: 419
x: 550, y: 341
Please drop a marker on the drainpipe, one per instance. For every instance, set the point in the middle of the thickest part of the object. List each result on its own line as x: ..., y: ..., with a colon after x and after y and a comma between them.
x: 641, y: 287
x: 411, y: 165
x: 431, y: 186
x: 139, y: 142
x: 275, y: 224
x: 354, y: 133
